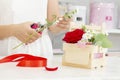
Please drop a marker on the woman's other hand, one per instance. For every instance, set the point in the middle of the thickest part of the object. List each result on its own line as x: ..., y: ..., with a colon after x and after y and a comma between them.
x: 61, y: 25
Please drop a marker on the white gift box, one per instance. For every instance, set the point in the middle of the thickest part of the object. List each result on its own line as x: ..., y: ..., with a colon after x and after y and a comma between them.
x: 90, y: 56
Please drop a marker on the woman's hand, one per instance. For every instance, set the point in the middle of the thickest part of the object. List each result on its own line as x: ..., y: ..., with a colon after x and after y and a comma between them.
x: 62, y: 25
x: 23, y: 32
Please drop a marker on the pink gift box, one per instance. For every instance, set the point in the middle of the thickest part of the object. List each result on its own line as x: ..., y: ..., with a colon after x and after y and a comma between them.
x: 102, y: 13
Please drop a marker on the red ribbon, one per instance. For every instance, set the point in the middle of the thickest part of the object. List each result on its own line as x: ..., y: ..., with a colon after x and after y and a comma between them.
x: 27, y: 60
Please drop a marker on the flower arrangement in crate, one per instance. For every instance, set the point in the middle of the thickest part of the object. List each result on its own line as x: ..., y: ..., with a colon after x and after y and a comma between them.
x: 85, y: 47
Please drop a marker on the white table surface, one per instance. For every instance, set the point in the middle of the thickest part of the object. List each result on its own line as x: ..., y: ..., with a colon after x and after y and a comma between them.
x: 9, y: 71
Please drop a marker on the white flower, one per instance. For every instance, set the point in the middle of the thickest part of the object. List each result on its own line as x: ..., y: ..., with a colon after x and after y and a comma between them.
x: 87, y: 36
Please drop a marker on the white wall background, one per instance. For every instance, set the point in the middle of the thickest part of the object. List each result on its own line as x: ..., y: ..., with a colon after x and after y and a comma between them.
x: 31, y: 8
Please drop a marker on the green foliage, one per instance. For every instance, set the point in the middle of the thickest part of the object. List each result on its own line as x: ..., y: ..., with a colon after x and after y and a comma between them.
x: 102, y: 40
x: 49, y: 23
x: 69, y: 15
x: 92, y: 40
x: 84, y: 27
x: 66, y: 16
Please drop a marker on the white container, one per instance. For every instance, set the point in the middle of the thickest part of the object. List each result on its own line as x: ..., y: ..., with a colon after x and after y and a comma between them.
x: 80, y: 17
x: 102, y: 13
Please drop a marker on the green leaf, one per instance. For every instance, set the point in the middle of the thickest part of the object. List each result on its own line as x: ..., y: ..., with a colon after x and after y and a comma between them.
x: 98, y: 43
x: 106, y: 43
x: 84, y: 27
x: 100, y: 36
x: 102, y: 40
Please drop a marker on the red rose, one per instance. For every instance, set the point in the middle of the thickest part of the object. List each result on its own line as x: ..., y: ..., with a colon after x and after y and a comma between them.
x: 34, y: 26
x: 73, y: 36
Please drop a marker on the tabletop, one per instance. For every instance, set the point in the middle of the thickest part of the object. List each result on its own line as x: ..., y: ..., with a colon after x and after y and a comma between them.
x: 111, y: 71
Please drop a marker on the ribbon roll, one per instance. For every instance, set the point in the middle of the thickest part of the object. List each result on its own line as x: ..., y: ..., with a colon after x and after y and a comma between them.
x: 27, y: 60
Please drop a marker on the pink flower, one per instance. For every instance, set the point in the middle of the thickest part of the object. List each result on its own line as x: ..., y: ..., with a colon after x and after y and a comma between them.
x: 34, y: 26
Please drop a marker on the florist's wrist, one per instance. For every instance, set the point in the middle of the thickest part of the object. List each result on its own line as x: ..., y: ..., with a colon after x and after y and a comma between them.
x: 52, y: 29
x: 55, y: 29
x: 12, y: 29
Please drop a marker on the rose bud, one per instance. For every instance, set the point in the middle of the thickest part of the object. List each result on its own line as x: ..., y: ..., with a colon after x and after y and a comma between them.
x: 34, y: 26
